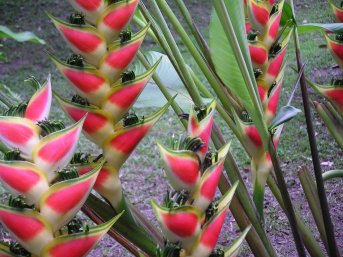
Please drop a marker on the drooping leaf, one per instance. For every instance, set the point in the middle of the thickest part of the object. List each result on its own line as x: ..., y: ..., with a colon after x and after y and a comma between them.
x: 331, y: 27
x: 285, y: 114
x: 5, y: 32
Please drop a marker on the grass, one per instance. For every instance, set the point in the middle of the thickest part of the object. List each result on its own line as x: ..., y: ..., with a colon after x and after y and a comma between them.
x: 142, y: 175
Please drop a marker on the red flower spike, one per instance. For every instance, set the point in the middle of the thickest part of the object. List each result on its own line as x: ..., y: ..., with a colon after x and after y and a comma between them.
x: 78, y: 245
x: 29, y: 228
x: 332, y: 93
x: 121, y: 55
x: 336, y: 49
x: 258, y: 53
x: 202, y: 128
x: 252, y: 138
x: 273, y: 68
x: 273, y: 99
x: 19, y: 133
x: 272, y: 30
x: 24, y: 178
x: 182, y: 168
x: 180, y: 224
x: 118, y: 147
x: 210, y: 234
x: 233, y: 249
x: 98, y: 125
x: 262, y: 90
x: 121, y: 98
x: 84, y: 40
x: 38, y: 107
x: 115, y: 18
x: 87, y: 82
x: 107, y: 183
x: 64, y: 199
x: 56, y: 149
x: 258, y: 13
x: 337, y: 11
x: 92, y: 9
x: 208, y: 186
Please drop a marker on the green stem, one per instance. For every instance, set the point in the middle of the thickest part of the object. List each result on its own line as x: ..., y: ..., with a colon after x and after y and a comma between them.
x: 332, y: 174
x: 258, y: 196
x: 3, y: 147
x: 333, y: 250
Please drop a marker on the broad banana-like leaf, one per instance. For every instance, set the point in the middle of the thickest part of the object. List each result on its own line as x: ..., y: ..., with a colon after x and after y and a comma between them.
x: 56, y: 149
x: 83, y: 39
x: 208, y: 186
x: 107, y: 183
x: 28, y: 227
x: 336, y: 49
x: 98, y: 124
x: 117, y: 148
x: 78, y: 245
x: 19, y: 133
x: 337, y: 11
x: 64, y: 199
x: 87, y: 82
x: 38, y: 108
x: 202, y: 127
x: 24, y: 178
x: 121, y: 97
x: 180, y: 224
x: 91, y: 8
x: 120, y: 55
x: 333, y: 93
x: 115, y: 17
x: 182, y: 168
x: 233, y: 249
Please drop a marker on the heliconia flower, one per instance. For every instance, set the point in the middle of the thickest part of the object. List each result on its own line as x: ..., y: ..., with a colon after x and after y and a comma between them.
x: 91, y: 8
x: 119, y: 146
x: 258, y: 53
x: 338, y: 11
x: 77, y: 245
x: 56, y: 149
x: 207, y: 188
x: 252, y: 138
x: 207, y: 241
x: 29, y: 228
x: 273, y: 99
x: 98, y: 124
x: 336, y: 49
x: 273, y: 67
x: 272, y: 29
x: 19, y: 133
x: 107, y: 183
x: 24, y: 178
x: 83, y: 39
x: 120, y: 55
x: 64, y: 199
x: 38, y: 107
x: 333, y: 93
x: 87, y: 82
x: 121, y: 97
x: 202, y: 127
x: 332, y: 120
x: 115, y: 17
x: 182, y: 168
x: 180, y: 224
x: 258, y: 13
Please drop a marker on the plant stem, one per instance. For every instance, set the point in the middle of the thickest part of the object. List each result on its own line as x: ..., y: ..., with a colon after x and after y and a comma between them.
x: 333, y: 251
x: 286, y: 200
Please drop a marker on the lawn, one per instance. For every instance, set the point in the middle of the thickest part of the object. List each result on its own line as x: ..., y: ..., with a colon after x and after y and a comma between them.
x: 142, y: 175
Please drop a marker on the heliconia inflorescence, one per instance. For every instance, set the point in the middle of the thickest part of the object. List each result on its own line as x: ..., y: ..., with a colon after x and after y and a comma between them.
x: 267, y: 47
x: 190, y: 218
x: 40, y: 217
x: 105, y: 89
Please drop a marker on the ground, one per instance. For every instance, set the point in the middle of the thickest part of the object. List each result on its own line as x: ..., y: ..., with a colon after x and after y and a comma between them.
x: 142, y: 175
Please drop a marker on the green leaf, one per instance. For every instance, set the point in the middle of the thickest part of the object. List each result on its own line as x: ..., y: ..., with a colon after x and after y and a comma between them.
x: 21, y: 36
x: 310, y: 27
x: 285, y: 114
x: 287, y: 14
x: 233, y: 249
x: 332, y: 174
x: 152, y: 96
